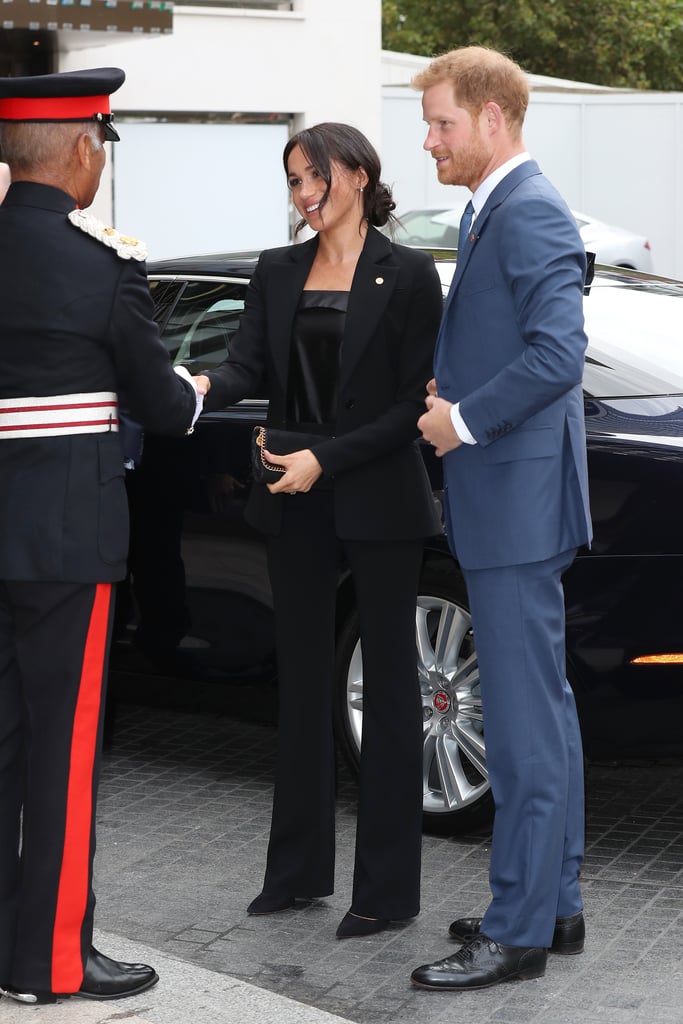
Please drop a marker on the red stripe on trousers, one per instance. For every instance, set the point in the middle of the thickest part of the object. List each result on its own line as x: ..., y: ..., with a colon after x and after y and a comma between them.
x: 74, y: 879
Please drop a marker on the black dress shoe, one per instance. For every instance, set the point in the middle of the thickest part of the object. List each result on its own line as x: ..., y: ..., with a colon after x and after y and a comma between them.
x: 270, y: 903
x: 482, y: 963
x: 568, y: 937
x: 104, y: 978
x: 352, y: 926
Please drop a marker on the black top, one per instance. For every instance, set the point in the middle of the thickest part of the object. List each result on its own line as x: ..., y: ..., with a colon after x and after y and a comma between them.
x: 315, y: 355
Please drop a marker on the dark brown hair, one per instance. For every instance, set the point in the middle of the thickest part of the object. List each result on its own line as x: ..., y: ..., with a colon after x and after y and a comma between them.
x: 332, y: 142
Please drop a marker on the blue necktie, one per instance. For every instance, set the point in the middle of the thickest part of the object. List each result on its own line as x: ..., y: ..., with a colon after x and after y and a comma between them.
x: 465, y: 224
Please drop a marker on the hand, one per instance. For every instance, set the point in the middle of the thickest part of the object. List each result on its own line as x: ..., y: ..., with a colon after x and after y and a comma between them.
x: 431, y: 387
x: 302, y: 471
x: 203, y: 383
x: 436, y: 424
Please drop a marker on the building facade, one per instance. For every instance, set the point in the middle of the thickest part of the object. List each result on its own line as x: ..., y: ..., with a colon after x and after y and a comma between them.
x: 213, y: 90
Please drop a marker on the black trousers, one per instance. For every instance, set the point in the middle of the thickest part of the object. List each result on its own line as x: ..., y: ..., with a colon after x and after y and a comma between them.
x: 54, y: 640
x: 304, y: 563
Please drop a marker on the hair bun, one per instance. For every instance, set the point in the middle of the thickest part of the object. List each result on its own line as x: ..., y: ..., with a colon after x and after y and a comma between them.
x: 383, y: 205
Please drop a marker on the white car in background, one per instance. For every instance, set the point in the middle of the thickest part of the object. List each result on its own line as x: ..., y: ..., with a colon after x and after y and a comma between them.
x: 438, y: 228
x: 616, y: 246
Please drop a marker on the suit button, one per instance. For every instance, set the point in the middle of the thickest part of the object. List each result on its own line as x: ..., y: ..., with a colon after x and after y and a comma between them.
x: 350, y: 403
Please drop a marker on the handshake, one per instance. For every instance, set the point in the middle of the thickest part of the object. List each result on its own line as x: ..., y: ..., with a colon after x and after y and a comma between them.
x: 202, y: 384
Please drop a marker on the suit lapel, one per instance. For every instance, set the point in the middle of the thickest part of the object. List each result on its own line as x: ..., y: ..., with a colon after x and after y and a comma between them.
x: 372, y: 287
x: 499, y: 194
x: 373, y: 284
x: 287, y: 279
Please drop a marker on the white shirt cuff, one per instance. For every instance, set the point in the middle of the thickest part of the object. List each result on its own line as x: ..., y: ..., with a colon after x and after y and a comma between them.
x: 183, y: 372
x: 460, y: 425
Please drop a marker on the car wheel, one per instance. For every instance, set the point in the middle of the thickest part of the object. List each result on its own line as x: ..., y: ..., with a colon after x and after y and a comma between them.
x: 457, y: 795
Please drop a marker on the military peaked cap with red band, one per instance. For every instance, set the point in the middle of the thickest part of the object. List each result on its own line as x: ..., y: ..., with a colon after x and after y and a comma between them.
x: 68, y: 96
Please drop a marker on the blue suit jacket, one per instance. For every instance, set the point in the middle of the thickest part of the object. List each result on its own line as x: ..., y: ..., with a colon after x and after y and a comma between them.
x: 511, y: 350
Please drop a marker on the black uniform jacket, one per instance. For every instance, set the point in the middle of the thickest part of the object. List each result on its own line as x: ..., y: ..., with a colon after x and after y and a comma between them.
x: 74, y: 318
x: 381, y: 489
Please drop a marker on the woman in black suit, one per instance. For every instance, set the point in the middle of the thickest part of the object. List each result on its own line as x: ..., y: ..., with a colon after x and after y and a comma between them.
x: 343, y: 327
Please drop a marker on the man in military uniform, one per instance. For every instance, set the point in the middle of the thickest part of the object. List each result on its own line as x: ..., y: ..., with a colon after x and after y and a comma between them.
x: 76, y: 329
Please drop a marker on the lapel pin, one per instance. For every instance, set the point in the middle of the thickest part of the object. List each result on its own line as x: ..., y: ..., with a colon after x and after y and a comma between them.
x: 379, y: 280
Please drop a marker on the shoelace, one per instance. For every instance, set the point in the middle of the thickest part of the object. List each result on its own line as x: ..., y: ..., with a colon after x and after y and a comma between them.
x: 466, y: 953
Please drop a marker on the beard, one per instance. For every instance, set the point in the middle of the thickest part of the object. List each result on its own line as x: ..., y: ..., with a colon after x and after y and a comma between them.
x: 467, y: 166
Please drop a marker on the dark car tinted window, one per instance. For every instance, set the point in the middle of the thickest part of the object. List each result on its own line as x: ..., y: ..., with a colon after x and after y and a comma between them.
x: 198, y: 327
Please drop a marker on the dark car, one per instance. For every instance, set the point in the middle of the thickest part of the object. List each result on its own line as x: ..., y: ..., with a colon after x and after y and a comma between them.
x: 623, y: 597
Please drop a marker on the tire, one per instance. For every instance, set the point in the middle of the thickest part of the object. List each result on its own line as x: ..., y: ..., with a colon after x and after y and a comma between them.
x: 457, y: 795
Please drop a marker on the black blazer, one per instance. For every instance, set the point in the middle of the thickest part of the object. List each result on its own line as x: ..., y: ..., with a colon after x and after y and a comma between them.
x: 74, y: 318
x: 381, y: 489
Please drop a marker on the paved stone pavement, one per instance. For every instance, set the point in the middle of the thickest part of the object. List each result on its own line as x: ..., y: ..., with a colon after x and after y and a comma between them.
x: 183, y: 822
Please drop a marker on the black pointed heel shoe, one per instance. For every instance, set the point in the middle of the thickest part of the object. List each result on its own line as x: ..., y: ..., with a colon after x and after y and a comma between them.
x: 270, y: 903
x: 352, y: 926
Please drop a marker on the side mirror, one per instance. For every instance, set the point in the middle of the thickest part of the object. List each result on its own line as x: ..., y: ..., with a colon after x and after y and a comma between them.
x: 590, y: 271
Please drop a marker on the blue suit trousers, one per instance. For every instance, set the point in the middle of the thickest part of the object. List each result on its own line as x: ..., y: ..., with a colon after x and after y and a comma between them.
x: 534, y: 750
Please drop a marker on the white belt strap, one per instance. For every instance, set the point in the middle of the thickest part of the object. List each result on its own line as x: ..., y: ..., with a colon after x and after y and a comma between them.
x: 93, y: 412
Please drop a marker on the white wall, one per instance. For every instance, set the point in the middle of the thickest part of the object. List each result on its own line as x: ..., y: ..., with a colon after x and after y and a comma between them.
x: 247, y: 211
x: 613, y: 154
x: 617, y: 156
x: 320, y: 62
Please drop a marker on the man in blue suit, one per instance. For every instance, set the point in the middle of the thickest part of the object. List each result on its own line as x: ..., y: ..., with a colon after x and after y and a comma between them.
x: 505, y: 411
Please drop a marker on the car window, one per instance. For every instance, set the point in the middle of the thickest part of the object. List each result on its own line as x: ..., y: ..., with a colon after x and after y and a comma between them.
x: 423, y: 229
x: 198, y: 326
x: 165, y: 295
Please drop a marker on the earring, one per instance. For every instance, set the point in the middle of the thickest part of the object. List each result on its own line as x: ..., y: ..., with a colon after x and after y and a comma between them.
x: 360, y: 188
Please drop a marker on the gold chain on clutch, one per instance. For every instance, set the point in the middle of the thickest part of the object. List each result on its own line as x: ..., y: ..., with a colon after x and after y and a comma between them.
x: 261, y: 442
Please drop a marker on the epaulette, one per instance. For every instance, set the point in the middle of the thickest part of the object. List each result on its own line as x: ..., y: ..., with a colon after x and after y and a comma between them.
x: 126, y: 247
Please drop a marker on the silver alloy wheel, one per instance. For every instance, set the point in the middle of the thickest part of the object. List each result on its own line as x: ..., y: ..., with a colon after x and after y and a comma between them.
x: 454, y: 764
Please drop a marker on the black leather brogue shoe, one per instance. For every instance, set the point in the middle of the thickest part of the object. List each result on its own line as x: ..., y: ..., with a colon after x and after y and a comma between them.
x: 482, y: 963
x: 464, y: 929
x: 568, y: 937
x: 104, y: 978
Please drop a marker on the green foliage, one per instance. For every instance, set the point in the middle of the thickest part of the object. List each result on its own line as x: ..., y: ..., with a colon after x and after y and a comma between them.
x: 627, y: 43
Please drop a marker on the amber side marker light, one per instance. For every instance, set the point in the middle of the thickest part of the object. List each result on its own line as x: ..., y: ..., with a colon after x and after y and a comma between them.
x: 658, y: 659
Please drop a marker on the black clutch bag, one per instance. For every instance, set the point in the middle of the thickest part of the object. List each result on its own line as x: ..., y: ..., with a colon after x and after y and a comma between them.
x: 278, y: 442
